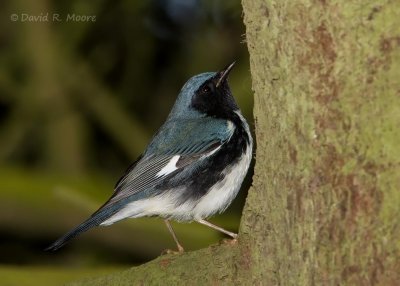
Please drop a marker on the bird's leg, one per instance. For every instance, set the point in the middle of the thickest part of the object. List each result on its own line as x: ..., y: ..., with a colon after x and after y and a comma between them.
x: 169, y: 226
x: 231, y: 234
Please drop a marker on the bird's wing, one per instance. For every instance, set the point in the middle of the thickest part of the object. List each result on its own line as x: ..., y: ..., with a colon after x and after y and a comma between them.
x: 178, y: 148
x: 151, y: 171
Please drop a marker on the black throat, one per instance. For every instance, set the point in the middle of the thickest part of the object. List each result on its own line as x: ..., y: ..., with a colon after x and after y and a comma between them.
x: 215, y: 101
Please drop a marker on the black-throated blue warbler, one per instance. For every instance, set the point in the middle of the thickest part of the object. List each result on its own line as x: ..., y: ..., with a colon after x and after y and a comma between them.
x: 192, y: 168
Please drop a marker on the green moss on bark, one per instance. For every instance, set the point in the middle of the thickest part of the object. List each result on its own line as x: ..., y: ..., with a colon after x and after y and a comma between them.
x: 326, y: 79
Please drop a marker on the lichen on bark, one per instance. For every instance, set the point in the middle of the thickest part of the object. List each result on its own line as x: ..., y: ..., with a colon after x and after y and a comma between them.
x: 327, y: 106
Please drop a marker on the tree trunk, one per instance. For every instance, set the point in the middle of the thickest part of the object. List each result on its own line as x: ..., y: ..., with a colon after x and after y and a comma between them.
x: 327, y: 104
x: 324, y: 206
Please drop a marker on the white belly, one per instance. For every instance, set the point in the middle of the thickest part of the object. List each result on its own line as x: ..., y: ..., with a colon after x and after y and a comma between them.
x: 221, y: 195
x: 216, y: 200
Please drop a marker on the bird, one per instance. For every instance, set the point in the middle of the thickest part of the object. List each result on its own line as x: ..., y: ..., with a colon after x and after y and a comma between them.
x: 193, y: 166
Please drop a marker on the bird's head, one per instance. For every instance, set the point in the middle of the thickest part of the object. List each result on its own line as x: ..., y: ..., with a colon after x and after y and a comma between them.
x: 206, y: 94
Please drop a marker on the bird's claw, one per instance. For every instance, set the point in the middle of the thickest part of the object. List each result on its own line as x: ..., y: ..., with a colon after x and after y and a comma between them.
x: 170, y: 251
x: 229, y: 241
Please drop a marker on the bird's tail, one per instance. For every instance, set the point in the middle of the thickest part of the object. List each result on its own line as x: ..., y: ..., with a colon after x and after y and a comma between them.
x: 95, y: 220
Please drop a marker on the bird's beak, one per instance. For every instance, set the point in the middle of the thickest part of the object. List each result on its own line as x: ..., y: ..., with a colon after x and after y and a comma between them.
x: 222, y: 75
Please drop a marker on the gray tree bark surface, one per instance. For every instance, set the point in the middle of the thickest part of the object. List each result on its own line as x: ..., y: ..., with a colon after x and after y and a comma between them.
x: 324, y: 205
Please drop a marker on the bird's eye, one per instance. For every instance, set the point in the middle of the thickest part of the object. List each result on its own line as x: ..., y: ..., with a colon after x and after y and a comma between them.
x: 205, y: 89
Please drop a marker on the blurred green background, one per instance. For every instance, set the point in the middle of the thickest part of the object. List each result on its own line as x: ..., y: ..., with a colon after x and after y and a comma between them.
x: 83, y: 86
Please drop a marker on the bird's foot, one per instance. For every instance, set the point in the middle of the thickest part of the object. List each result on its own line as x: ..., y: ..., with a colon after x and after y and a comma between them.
x: 170, y: 251
x: 180, y: 249
x: 229, y: 241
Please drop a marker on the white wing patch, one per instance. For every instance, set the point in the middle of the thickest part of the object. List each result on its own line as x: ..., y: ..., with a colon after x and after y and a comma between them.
x: 170, y: 167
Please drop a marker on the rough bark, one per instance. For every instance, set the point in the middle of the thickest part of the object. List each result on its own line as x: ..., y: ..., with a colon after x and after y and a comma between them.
x: 326, y: 76
x: 323, y: 209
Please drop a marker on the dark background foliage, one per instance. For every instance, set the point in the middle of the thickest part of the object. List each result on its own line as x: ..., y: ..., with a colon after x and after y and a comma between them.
x: 79, y: 100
